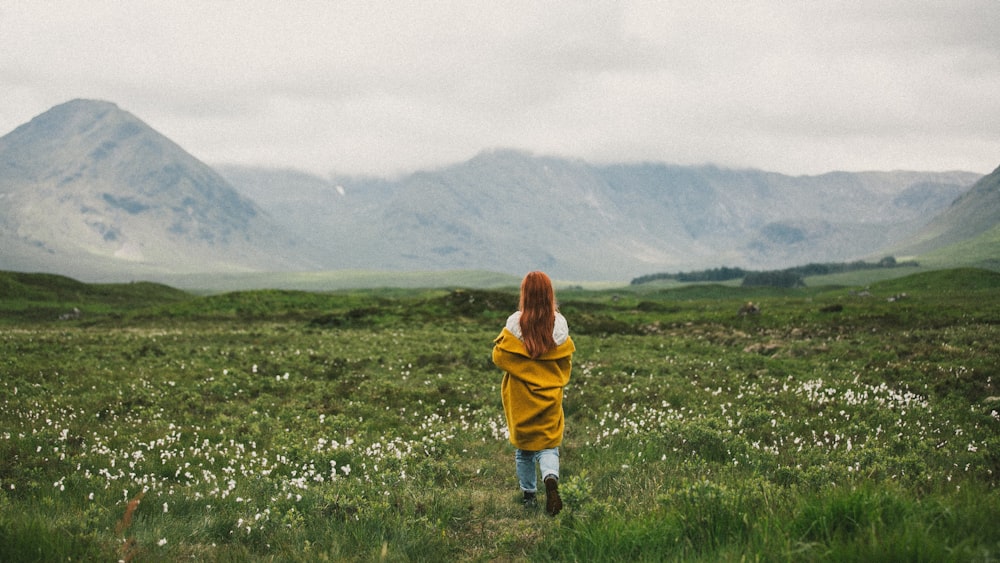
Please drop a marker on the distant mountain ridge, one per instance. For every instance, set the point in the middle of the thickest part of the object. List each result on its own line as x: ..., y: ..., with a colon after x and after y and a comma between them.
x: 509, y: 210
x: 88, y: 187
x: 89, y: 190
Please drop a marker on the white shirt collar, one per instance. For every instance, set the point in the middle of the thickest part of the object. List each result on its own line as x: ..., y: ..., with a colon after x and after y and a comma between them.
x: 560, y: 331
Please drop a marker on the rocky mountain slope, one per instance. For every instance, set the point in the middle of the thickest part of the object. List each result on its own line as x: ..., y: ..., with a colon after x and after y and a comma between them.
x: 969, y: 229
x: 511, y: 211
x: 89, y: 189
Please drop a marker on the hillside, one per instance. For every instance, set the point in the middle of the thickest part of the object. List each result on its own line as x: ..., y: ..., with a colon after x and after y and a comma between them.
x: 49, y: 297
x: 510, y: 211
x: 967, y: 231
x: 92, y: 191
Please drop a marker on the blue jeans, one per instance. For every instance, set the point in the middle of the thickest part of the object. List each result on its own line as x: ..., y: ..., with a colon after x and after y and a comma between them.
x: 548, y: 463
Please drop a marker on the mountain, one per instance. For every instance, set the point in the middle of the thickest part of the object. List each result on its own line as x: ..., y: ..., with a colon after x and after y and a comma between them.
x: 510, y: 211
x: 968, y: 228
x: 89, y: 190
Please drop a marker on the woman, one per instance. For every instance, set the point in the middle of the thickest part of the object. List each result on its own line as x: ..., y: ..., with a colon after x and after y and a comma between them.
x: 535, y: 352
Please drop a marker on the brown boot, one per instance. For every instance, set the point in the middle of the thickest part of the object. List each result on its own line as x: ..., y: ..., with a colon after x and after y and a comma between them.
x: 553, y: 504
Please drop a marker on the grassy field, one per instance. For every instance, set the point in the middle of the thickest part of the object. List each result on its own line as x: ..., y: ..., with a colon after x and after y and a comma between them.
x: 836, y: 425
x: 338, y: 280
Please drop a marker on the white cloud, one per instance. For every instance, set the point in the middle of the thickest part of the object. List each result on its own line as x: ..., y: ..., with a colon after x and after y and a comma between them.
x: 385, y: 87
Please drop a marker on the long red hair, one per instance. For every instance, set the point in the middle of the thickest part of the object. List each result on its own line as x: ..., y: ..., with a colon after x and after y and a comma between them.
x: 538, y: 313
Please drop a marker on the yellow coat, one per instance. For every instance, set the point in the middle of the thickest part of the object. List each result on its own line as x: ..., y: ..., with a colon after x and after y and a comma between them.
x: 532, y: 391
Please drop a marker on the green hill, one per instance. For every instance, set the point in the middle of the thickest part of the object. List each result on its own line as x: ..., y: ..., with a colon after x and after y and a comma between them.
x: 48, y: 297
x: 30, y: 296
x: 967, y: 233
x: 943, y: 281
x: 982, y: 250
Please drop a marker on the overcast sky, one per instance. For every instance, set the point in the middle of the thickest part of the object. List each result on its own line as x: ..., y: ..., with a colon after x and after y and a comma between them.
x: 799, y: 87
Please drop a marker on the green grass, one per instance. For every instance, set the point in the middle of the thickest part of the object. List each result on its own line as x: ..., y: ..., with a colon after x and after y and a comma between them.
x: 862, y: 278
x: 366, y: 425
x: 339, y: 280
x: 980, y: 250
x: 43, y: 297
